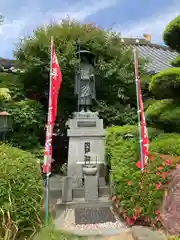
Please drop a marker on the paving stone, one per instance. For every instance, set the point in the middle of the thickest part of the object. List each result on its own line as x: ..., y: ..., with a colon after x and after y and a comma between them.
x: 144, y: 233
x: 127, y: 235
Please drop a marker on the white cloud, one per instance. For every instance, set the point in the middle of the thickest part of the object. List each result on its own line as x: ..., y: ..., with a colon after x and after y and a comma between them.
x: 81, y: 11
x: 154, y: 25
x: 30, y: 16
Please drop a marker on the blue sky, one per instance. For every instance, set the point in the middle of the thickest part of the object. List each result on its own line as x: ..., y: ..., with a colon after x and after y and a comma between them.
x: 130, y: 18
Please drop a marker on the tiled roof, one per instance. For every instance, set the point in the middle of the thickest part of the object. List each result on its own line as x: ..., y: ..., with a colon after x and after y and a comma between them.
x: 8, y: 65
x: 159, y: 56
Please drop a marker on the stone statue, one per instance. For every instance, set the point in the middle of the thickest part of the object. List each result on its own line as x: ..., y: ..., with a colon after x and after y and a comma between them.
x: 85, y: 85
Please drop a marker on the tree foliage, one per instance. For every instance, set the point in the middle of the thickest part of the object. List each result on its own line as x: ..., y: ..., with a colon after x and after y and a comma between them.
x: 13, y: 83
x: 27, y: 116
x: 5, y: 94
x: 171, y: 34
x: 27, y: 122
x: 166, y: 84
x: 114, y: 66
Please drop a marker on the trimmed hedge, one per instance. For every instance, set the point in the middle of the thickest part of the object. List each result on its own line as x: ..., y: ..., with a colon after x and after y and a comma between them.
x: 21, y: 192
x: 171, y: 34
x: 166, y: 84
x: 164, y: 114
x: 116, y: 133
x: 138, y: 195
x: 167, y: 144
x: 176, y: 62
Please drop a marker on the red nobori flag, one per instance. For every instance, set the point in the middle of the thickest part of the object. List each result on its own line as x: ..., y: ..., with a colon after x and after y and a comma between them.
x: 55, y: 84
x: 145, y: 140
x: 144, y: 134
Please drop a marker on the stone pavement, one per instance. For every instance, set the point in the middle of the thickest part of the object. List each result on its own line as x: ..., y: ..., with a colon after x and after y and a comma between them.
x: 134, y: 233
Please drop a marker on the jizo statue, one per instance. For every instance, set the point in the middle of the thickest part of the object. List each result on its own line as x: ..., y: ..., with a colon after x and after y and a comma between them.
x: 85, y: 81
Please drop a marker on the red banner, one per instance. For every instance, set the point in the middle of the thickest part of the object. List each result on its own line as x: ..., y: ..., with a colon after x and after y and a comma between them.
x: 56, y: 79
x: 144, y: 134
x: 55, y: 84
x: 145, y: 140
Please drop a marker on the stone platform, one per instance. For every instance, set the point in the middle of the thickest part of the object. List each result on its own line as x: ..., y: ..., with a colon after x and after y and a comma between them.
x: 65, y: 221
x: 56, y: 186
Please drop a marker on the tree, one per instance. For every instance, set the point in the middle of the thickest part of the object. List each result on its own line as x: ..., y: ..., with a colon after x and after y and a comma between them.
x: 171, y: 34
x: 165, y: 86
x: 115, y: 88
x: 169, y: 78
x: 27, y: 123
x: 28, y: 116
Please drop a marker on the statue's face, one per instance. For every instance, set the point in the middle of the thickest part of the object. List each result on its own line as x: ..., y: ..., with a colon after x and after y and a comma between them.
x: 84, y: 60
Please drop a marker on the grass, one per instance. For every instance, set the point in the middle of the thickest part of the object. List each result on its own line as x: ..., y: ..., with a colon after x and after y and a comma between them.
x: 50, y: 233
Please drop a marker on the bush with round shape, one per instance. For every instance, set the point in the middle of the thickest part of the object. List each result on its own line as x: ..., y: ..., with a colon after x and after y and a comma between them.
x: 176, y: 62
x: 166, y: 84
x: 21, y: 192
x: 164, y: 114
x: 171, y: 34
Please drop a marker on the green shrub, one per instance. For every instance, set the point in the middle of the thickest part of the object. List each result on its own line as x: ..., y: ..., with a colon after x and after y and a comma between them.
x: 166, y: 84
x: 156, y: 108
x: 21, y: 191
x: 140, y: 194
x: 171, y: 34
x: 50, y: 233
x: 166, y: 144
x: 27, y: 123
x: 116, y: 132
x: 13, y: 83
x: 164, y: 114
x: 176, y: 62
x: 149, y: 102
x: 174, y: 238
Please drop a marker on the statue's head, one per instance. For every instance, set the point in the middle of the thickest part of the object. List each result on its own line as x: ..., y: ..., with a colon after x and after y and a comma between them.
x: 86, y: 56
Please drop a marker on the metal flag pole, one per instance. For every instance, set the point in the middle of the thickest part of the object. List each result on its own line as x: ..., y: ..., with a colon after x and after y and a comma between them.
x: 49, y: 142
x: 79, y: 66
x: 138, y: 109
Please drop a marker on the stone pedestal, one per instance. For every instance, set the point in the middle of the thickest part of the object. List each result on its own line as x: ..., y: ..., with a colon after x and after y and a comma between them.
x: 86, y: 134
x: 67, y: 189
x: 91, y: 188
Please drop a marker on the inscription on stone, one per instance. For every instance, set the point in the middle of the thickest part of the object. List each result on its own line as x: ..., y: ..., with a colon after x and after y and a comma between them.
x: 86, y: 123
x: 94, y: 215
x: 87, y: 149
